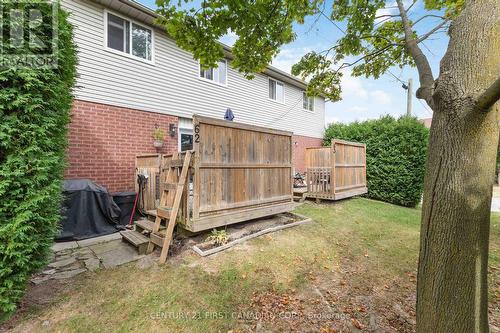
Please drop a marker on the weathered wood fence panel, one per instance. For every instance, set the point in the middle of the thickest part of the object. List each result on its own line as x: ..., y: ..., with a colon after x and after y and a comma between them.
x: 149, y: 165
x: 336, y: 172
x: 241, y: 172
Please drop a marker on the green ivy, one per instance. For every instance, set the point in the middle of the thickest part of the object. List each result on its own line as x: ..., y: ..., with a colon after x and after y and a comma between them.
x: 35, y: 108
x: 396, y: 154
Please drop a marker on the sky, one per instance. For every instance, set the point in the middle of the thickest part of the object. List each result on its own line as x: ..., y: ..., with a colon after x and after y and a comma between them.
x: 362, y: 98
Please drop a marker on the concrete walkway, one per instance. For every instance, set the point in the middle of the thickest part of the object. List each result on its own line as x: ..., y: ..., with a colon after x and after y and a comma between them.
x: 495, y: 205
x: 76, y: 257
x: 495, y: 202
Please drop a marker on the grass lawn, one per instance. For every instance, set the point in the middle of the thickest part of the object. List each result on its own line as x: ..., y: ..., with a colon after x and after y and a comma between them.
x: 353, y: 268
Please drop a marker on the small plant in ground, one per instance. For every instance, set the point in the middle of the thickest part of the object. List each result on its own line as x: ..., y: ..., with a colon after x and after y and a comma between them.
x: 218, y: 237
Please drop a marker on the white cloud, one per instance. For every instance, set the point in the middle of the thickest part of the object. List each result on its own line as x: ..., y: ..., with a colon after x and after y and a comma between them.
x: 380, y: 97
x: 229, y: 38
x: 331, y: 119
x: 391, y: 9
x: 353, y: 87
x: 289, y: 56
x: 357, y: 109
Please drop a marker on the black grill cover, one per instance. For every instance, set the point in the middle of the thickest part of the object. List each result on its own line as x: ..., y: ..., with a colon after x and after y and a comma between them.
x: 88, y: 211
x: 125, y: 200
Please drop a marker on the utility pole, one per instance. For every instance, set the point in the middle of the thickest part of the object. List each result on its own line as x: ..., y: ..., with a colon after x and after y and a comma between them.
x: 410, y: 93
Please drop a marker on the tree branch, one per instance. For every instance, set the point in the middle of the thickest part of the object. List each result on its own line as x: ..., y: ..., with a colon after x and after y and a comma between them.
x: 428, y: 34
x: 426, y: 78
x: 391, y: 42
x: 409, y: 7
x: 425, y: 16
x: 387, y: 15
x: 489, y: 97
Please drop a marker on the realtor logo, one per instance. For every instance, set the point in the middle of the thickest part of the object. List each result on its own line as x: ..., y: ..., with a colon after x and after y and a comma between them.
x: 29, y: 33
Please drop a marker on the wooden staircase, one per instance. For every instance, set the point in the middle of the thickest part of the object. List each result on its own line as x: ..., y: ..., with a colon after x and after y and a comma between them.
x: 148, y: 234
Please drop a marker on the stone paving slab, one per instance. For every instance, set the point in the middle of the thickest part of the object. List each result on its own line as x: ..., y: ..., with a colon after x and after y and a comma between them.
x: 64, y: 246
x: 70, y: 259
x: 98, y: 240
x: 62, y: 263
x: 122, y: 254
x: 102, y: 248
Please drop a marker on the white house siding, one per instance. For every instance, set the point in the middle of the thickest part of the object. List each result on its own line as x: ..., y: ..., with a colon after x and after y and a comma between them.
x: 171, y: 85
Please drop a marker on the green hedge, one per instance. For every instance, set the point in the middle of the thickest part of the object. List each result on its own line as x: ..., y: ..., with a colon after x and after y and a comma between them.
x: 396, y: 153
x: 35, y: 105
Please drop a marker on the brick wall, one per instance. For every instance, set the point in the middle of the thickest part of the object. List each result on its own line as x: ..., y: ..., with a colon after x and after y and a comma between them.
x: 104, y: 140
x: 300, y: 143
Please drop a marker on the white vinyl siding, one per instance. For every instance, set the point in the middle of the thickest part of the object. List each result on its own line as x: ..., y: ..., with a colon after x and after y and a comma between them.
x: 172, y: 86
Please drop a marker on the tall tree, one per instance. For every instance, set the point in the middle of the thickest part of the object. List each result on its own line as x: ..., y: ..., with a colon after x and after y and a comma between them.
x: 452, y: 270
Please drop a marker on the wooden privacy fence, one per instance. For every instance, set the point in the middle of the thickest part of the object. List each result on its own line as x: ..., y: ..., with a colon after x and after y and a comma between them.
x: 336, y: 172
x: 238, y: 172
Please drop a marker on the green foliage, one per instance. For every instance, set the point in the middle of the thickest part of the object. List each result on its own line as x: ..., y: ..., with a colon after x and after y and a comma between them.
x: 158, y: 134
x: 498, y: 158
x: 262, y: 27
x: 34, y: 113
x: 452, y: 7
x: 396, y: 154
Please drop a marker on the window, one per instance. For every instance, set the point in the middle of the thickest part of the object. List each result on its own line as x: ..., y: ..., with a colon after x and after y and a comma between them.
x: 128, y: 37
x: 217, y: 75
x: 276, y: 91
x: 307, y: 102
x: 185, y: 139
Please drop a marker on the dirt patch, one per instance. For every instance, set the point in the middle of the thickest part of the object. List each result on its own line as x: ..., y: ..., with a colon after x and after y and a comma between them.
x: 242, y: 230
x: 37, y: 297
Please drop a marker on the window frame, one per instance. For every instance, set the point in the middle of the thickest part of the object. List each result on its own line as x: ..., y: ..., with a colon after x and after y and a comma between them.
x: 187, y: 131
x: 308, y: 97
x: 213, y: 81
x: 131, y: 23
x: 284, y: 94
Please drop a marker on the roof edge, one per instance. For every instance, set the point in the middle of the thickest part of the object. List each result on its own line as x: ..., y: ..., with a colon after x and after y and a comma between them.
x: 270, y: 70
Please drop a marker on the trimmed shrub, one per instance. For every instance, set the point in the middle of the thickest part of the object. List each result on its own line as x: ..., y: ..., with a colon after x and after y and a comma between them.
x: 35, y: 105
x: 396, y: 154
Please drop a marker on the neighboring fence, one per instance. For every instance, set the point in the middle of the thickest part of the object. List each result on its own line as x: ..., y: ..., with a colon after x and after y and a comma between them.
x: 239, y: 172
x: 336, y: 172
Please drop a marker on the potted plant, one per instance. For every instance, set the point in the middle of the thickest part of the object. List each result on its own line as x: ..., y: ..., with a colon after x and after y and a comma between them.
x: 158, y: 136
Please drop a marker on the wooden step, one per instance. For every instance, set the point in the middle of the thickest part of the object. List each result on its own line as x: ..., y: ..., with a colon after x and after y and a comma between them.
x: 163, y: 212
x: 170, y: 186
x: 176, y: 163
x: 157, y: 238
x: 151, y: 212
x: 137, y: 239
x: 146, y: 225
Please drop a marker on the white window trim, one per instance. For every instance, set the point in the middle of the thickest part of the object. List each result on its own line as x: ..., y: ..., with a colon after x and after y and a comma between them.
x: 123, y: 53
x: 213, y: 81
x: 183, y: 131
x: 284, y: 90
x: 314, y: 102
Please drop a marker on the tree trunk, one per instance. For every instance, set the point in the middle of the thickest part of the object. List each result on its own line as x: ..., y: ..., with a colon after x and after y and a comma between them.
x: 452, y: 294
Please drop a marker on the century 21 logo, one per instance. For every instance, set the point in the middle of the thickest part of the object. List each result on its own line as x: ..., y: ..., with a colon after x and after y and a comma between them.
x: 29, y: 33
